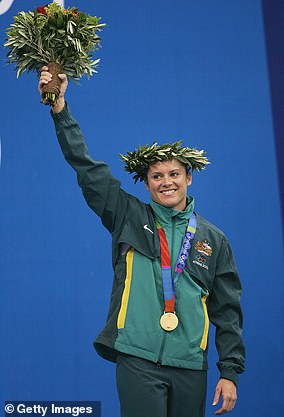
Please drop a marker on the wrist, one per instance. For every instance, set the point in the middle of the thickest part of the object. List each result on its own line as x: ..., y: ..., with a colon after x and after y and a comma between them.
x: 59, y: 106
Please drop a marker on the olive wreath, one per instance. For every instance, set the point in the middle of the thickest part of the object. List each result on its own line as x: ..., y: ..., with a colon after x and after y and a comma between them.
x: 138, y: 161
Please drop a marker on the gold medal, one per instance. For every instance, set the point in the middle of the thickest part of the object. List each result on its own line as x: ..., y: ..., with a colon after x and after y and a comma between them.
x: 169, y: 321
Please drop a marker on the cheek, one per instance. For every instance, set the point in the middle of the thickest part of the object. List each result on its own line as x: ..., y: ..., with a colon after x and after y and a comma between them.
x: 153, y: 190
x: 152, y: 186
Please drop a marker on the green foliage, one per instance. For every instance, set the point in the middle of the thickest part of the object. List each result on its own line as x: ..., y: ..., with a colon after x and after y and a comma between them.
x: 54, y: 34
x: 138, y: 161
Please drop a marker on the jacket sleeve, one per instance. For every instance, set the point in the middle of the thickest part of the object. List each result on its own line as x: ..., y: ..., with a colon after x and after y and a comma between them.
x: 101, y: 190
x: 225, y: 313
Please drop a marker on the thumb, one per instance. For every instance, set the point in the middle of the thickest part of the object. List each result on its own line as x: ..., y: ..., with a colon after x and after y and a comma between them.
x: 62, y: 77
x: 217, y: 395
x: 64, y: 83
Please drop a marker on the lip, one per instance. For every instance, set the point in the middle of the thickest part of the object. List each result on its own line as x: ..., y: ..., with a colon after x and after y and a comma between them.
x: 171, y: 191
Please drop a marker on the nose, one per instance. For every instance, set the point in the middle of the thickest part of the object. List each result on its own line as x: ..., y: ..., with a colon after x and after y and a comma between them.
x: 167, y: 180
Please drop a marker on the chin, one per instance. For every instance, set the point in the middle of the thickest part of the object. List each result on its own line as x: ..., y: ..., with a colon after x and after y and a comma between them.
x: 168, y: 204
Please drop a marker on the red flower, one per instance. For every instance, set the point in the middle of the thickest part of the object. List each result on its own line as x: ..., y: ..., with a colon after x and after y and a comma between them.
x: 41, y: 9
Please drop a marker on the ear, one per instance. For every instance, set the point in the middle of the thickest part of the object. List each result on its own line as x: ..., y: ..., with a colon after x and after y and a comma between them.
x: 188, y: 179
x: 146, y: 185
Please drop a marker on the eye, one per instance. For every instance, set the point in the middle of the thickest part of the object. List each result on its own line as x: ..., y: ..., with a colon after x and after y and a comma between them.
x: 174, y: 174
x: 156, y: 176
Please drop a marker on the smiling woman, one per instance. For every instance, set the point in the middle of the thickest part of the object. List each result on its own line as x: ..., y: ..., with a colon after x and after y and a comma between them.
x: 167, y: 182
x: 169, y: 70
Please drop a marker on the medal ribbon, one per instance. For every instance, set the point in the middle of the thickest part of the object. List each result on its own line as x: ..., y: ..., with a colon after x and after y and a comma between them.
x: 168, y: 280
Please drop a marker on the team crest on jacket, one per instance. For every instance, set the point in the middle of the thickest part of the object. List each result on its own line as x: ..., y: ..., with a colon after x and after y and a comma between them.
x: 204, y: 248
x: 204, y: 251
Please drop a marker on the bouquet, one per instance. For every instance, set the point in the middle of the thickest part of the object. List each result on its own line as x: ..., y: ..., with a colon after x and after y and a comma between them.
x: 60, y: 38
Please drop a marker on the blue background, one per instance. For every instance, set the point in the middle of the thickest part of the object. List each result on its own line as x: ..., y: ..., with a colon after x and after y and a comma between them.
x: 201, y: 71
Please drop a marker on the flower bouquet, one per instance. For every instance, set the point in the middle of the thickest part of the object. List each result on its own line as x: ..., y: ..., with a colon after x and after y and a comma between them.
x: 60, y: 38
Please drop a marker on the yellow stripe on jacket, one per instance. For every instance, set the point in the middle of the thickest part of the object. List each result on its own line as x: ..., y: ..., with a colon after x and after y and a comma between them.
x: 125, y: 295
x: 204, y: 339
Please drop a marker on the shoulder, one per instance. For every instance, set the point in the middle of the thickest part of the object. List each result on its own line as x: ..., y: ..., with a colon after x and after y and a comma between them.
x: 209, y: 227
x: 135, y: 204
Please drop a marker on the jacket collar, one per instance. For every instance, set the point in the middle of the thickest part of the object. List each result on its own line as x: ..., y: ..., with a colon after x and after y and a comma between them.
x: 165, y: 215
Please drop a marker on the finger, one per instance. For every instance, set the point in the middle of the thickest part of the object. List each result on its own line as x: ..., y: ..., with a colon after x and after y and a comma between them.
x: 217, y: 396
x: 45, y: 74
x: 231, y: 404
x: 227, y: 406
x: 44, y: 80
x: 223, y: 409
x: 41, y: 84
x: 220, y: 412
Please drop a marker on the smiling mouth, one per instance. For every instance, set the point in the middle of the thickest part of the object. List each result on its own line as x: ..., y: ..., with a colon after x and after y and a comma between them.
x: 168, y: 192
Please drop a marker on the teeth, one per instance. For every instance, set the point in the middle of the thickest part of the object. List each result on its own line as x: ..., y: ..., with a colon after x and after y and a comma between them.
x: 169, y: 192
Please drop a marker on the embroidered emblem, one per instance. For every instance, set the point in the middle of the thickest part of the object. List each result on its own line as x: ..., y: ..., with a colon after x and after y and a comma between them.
x: 204, y: 248
x: 204, y: 251
x: 202, y: 264
x: 202, y: 259
x: 147, y: 228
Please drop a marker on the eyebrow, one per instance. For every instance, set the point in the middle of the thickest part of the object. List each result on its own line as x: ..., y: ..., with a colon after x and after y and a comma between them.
x: 170, y: 172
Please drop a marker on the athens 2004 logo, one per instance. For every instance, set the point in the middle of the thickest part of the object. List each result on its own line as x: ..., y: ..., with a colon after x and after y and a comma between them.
x: 203, y: 247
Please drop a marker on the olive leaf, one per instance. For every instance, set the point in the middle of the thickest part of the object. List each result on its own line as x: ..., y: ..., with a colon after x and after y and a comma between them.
x: 52, y: 33
x: 138, y: 161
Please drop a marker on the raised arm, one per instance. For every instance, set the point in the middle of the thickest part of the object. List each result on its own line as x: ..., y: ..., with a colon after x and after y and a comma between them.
x: 101, y: 190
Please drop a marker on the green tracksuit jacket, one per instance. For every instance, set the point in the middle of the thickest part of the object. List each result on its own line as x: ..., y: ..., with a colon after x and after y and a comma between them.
x: 209, y: 289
